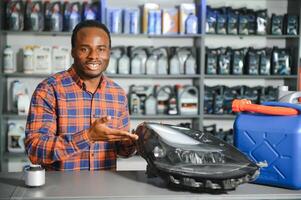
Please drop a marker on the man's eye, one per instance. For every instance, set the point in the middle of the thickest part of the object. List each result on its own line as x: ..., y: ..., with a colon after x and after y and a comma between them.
x: 84, y: 50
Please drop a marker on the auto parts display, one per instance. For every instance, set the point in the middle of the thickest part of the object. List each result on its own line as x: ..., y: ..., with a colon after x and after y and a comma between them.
x: 191, y: 158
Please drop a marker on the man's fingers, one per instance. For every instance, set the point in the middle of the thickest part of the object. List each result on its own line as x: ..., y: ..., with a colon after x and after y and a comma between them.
x: 104, y: 119
x: 124, y: 134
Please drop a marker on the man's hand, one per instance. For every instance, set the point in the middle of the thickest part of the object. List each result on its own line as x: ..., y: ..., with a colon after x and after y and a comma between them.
x: 100, y: 132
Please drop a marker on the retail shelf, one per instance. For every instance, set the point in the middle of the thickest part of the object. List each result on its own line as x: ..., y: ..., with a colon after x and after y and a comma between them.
x: 16, y: 156
x: 22, y: 75
x: 216, y: 116
x: 253, y: 36
x: 64, y: 33
x: 176, y: 36
x: 142, y: 76
x: 165, y: 116
x: 14, y: 116
x: 217, y: 76
x: 154, y: 76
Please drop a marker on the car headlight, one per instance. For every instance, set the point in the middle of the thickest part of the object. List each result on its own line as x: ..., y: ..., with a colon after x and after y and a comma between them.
x: 192, y: 158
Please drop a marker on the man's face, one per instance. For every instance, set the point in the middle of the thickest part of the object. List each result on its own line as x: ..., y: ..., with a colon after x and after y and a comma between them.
x: 91, y: 52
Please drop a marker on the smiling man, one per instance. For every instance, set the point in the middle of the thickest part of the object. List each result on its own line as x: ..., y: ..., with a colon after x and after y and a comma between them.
x: 78, y: 118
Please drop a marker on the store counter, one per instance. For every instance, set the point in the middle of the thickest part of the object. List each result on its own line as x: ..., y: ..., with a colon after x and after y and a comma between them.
x: 126, y: 185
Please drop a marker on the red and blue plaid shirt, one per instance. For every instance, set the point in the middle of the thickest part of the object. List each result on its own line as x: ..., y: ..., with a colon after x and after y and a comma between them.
x: 60, y: 115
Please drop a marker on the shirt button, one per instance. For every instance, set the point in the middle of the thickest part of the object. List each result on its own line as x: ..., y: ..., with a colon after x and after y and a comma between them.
x: 92, y: 154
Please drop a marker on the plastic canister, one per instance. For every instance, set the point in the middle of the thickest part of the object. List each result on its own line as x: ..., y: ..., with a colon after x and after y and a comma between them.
x: 151, y: 65
x: 60, y: 58
x: 174, y: 65
x: 112, y: 67
x: 56, y: 18
x: 74, y: 15
x: 188, y: 100
x: 162, y: 65
x: 191, y: 24
x: 163, y: 95
x: 23, y: 104
x: 28, y: 67
x: 9, y: 60
x: 124, y: 64
x: 136, y: 65
x: 15, y: 137
x: 42, y: 59
x: 135, y: 104
x: 190, y: 65
x: 284, y: 95
x: 17, y: 88
x: 275, y: 140
x: 150, y: 105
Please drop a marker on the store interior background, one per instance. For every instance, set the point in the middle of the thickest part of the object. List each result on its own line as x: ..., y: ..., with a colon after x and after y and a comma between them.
x: 15, y: 162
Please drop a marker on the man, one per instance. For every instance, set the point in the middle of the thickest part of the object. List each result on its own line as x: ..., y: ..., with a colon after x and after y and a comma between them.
x: 78, y: 118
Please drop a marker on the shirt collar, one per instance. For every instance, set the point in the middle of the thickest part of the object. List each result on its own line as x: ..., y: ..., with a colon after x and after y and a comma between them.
x: 76, y: 78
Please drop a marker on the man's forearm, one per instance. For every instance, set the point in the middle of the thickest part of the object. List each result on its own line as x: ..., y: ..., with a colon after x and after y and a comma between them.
x: 48, y: 148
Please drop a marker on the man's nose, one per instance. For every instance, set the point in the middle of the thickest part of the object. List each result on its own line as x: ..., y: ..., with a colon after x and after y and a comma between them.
x: 93, y: 54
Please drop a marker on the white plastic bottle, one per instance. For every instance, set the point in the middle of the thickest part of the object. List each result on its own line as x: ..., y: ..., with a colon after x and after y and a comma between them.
x: 28, y: 67
x: 15, y: 136
x: 9, y: 60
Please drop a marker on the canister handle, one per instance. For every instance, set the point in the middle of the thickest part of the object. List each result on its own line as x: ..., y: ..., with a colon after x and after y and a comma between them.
x: 283, y: 104
x: 239, y: 105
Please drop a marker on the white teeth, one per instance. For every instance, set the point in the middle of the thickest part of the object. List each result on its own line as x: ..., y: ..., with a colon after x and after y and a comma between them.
x: 92, y: 66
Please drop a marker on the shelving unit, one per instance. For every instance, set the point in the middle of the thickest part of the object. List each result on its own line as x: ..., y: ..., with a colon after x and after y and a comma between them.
x: 200, y: 40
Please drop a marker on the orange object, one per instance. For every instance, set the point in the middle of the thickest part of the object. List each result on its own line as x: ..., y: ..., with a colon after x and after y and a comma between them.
x: 239, y: 105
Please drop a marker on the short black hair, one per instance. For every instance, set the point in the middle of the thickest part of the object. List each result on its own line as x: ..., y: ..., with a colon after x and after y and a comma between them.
x: 89, y: 23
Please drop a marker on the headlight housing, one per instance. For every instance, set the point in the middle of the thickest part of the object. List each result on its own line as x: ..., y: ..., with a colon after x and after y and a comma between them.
x: 192, y: 158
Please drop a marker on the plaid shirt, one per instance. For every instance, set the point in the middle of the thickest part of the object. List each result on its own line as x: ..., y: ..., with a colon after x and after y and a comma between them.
x: 60, y: 115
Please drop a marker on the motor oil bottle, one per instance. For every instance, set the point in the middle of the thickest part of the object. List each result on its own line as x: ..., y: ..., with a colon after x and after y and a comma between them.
x: 28, y: 67
x: 56, y: 18
x: 136, y: 65
x: 124, y: 64
x: 174, y: 65
x: 188, y: 100
x: 135, y: 104
x: 162, y: 65
x: 72, y: 15
x: 163, y: 95
x: 218, y: 99
x: 190, y: 65
x: 17, y: 88
x: 60, y: 58
x: 172, y: 103
x: 150, y: 105
x: 112, y: 67
x: 15, y: 138
x: 209, y: 99
x: 284, y: 95
x: 151, y: 65
x: 9, y: 60
x: 15, y: 15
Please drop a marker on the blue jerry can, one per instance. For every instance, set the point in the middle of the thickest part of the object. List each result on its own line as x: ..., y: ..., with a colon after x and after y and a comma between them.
x: 275, y: 140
